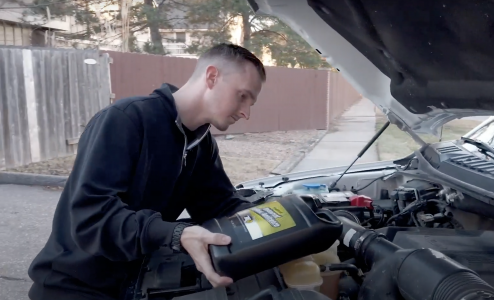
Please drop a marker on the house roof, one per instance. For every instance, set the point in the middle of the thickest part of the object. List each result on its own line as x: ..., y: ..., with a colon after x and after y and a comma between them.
x: 13, y: 12
x: 177, y: 16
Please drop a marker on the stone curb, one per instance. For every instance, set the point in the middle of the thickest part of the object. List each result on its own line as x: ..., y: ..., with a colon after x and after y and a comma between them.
x: 32, y: 179
x: 289, y: 164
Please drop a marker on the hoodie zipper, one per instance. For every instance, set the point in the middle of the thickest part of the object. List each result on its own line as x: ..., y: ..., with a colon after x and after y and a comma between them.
x: 186, y: 149
x: 184, y: 152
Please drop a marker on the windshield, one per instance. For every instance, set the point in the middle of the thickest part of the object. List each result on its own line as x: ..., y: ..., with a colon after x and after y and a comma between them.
x: 485, y: 134
x: 395, y: 143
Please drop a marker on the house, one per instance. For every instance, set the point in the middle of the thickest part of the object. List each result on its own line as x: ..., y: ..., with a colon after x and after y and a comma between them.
x: 177, y: 39
x: 19, y: 28
x: 14, y: 30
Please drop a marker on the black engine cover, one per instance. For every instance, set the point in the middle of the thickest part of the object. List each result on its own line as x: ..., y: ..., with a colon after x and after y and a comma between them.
x: 453, y: 160
x: 167, y: 276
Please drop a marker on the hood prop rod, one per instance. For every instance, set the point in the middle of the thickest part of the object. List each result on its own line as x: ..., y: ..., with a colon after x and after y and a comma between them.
x: 362, y: 152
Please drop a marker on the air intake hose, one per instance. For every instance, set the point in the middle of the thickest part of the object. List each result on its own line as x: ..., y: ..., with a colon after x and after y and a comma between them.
x: 415, y: 274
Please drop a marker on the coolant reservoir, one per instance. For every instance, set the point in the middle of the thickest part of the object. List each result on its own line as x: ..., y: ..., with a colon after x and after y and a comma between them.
x: 329, y: 256
x: 302, y: 275
x: 286, y: 266
x: 331, y: 279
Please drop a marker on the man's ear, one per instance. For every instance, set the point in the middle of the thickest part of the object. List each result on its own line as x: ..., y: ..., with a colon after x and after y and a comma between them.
x: 211, y: 76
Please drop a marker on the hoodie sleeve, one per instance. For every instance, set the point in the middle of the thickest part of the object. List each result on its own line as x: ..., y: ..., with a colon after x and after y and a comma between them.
x: 212, y: 194
x: 101, y: 223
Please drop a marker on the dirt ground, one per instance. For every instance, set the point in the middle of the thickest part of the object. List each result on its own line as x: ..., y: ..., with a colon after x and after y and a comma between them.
x: 245, y: 156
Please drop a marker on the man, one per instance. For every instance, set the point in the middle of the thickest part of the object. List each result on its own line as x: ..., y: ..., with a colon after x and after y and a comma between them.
x: 140, y: 163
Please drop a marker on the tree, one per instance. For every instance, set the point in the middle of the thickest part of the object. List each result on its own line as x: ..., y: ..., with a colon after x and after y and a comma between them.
x: 155, y: 19
x: 103, y: 18
x: 81, y: 10
x: 259, y: 33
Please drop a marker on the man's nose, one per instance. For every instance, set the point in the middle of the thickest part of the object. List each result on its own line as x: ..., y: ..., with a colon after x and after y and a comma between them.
x: 245, y: 113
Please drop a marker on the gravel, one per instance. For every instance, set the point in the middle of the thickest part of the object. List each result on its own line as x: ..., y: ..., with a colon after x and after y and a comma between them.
x: 244, y: 156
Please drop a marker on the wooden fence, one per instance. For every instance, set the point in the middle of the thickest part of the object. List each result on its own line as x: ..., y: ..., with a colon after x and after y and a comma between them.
x: 48, y: 95
x: 291, y: 99
x: 46, y: 98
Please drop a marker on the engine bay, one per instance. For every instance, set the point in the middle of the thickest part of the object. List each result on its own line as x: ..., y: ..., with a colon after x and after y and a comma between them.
x: 403, y: 205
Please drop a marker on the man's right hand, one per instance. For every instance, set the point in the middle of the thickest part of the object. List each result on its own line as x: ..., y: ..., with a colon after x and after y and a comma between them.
x: 195, y: 240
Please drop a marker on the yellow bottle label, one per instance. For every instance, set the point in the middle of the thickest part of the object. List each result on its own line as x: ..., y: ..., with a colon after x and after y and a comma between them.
x: 266, y: 219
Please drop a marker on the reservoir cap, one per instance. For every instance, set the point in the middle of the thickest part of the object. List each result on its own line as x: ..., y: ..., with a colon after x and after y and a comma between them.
x: 314, y: 185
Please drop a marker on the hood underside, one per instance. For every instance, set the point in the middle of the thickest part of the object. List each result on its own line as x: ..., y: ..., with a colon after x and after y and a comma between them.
x: 422, y: 62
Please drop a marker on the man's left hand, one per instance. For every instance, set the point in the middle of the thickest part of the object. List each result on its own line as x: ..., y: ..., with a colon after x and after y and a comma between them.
x: 195, y: 240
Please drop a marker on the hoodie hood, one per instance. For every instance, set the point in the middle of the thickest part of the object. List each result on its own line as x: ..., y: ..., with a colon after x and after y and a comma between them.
x: 423, y: 63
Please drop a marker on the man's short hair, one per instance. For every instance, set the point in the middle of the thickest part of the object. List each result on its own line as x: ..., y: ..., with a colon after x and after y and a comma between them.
x: 230, y: 53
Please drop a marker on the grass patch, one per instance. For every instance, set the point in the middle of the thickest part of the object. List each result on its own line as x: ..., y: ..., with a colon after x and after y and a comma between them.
x: 394, y: 143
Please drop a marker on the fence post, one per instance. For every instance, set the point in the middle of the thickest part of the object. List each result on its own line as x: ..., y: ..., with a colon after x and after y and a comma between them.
x: 110, y: 61
x: 32, y: 114
x: 328, y: 100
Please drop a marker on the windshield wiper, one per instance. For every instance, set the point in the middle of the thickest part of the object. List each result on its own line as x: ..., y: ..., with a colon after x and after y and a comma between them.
x: 483, y: 147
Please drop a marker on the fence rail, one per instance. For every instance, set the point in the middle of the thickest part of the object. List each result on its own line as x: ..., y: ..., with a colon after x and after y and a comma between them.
x: 46, y: 98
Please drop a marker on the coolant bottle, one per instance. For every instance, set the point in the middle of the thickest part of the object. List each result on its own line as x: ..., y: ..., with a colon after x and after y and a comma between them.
x: 304, y: 273
x: 271, y: 234
x: 286, y: 266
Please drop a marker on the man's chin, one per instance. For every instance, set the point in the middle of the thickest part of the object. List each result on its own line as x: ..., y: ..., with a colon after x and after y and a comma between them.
x: 221, y: 127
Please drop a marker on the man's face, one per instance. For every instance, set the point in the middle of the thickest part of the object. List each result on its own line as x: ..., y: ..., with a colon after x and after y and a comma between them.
x: 232, y: 94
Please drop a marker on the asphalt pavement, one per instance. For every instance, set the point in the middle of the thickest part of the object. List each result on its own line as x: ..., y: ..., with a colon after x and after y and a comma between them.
x: 26, y: 214
x: 25, y: 223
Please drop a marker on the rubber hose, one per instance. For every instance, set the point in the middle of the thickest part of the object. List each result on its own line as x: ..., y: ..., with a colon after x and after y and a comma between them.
x: 348, y: 215
x: 463, y: 286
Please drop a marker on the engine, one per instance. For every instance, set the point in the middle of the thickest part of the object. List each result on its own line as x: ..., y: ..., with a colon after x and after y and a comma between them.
x: 416, y: 203
x: 399, y: 211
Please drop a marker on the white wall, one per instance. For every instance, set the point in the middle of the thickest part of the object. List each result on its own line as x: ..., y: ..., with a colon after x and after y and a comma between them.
x: 14, y: 13
x: 14, y: 35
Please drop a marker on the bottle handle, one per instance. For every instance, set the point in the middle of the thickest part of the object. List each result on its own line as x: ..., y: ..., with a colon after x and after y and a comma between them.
x: 328, y: 217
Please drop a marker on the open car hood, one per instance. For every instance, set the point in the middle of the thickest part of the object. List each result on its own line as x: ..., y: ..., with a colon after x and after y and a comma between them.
x: 423, y: 63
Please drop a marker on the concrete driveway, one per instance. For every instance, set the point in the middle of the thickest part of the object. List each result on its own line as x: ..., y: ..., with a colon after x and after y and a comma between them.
x: 25, y: 223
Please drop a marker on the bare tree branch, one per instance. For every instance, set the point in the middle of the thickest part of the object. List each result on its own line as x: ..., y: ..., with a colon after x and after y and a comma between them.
x: 253, y: 18
x: 180, y: 3
x: 265, y: 31
x: 228, y: 21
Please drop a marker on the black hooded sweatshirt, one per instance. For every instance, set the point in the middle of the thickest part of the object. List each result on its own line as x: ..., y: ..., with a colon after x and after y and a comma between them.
x: 137, y: 168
